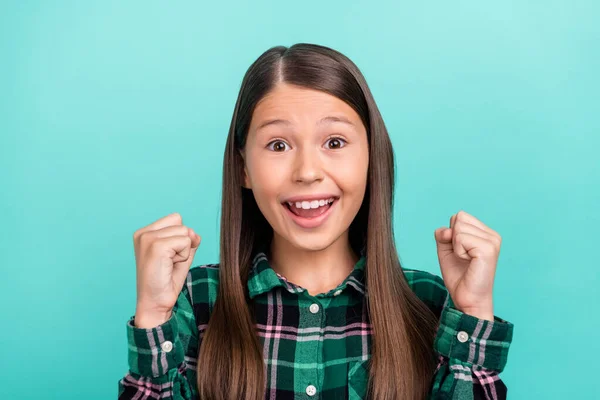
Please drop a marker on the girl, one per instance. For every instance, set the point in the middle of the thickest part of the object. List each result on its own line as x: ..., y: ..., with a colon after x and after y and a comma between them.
x: 309, y: 299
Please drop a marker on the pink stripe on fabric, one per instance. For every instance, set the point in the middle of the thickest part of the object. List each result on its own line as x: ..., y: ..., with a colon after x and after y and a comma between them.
x: 483, y: 342
x: 473, y: 345
x: 278, y: 335
x: 365, y: 349
x: 487, y: 379
x: 188, y: 282
x: 143, y: 382
x: 292, y: 329
x: 145, y: 389
x: 441, y: 361
x: 154, y: 351
x: 267, y: 342
x: 276, y: 344
x: 163, y: 355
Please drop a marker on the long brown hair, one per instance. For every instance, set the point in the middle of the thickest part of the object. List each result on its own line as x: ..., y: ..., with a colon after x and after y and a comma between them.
x: 230, y: 360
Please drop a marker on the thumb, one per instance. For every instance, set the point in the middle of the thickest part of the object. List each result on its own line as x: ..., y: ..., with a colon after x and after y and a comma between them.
x: 443, y: 236
x: 443, y: 241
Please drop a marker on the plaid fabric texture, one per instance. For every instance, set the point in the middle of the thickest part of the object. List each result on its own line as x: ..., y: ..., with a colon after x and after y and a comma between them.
x: 315, y: 347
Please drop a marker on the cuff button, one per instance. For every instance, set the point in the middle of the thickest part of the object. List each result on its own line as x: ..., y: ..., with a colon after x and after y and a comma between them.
x: 462, y: 336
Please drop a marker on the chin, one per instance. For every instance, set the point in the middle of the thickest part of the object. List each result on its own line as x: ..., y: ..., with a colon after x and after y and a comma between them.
x: 311, y: 242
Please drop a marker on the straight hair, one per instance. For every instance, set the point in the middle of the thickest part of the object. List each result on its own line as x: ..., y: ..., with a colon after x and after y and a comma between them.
x: 230, y: 359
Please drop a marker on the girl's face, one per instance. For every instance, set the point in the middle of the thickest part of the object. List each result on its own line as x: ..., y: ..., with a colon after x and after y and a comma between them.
x: 306, y: 147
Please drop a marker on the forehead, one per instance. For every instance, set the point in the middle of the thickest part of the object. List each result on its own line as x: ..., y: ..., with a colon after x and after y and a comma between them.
x: 296, y: 103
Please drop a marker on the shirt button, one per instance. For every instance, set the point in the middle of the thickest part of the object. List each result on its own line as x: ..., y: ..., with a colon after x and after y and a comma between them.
x: 167, y: 346
x: 337, y: 292
x: 311, y: 390
x: 462, y: 336
x: 314, y: 308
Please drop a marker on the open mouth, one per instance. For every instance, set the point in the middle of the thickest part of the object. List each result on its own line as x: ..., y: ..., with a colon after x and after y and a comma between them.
x: 310, y: 214
x: 308, y: 209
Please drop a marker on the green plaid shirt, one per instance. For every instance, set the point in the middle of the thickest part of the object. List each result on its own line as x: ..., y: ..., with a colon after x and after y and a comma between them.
x: 315, y: 347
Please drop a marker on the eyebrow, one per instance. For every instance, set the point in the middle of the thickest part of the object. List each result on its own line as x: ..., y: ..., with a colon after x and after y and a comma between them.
x: 325, y: 120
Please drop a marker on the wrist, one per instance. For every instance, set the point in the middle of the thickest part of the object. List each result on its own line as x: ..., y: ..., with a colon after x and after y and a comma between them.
x: 151, y: 318
x: 486, y: 314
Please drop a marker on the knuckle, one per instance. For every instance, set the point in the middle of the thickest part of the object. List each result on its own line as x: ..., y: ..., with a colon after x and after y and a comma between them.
x: 457, y: 238
x: 143, y: 238
x: 177, y: 217
x: 153, y: 247
x: 498, y: 243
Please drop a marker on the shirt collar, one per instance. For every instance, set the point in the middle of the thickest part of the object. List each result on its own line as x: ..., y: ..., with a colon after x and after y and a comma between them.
x: 263, y: 278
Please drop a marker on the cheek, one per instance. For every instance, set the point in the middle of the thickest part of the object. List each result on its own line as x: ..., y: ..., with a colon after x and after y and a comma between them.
x: 266, y: 182
x: 351, y: 175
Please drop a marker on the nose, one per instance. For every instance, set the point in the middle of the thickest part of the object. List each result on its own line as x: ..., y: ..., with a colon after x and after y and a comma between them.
x: 307, y: 166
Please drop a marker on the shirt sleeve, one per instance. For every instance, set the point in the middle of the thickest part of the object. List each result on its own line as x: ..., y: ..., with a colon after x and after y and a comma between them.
x: 158, y: 357
x: 471, y: 354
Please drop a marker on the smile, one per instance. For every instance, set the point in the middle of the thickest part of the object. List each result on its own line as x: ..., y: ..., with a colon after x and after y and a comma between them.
x: 310, y: 214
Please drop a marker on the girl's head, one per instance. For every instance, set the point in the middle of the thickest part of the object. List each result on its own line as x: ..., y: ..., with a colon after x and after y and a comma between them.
x: 302, y: 128
x: 306, y: 124
x: 306, y: 145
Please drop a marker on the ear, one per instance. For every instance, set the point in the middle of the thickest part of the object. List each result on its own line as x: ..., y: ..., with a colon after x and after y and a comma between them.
x: 246, y: 184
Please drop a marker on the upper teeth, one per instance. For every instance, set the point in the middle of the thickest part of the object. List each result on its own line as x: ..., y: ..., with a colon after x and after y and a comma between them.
x: 310, y: 204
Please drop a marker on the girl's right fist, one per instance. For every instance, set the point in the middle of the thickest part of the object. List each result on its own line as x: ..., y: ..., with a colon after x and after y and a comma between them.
x: 164, y: 252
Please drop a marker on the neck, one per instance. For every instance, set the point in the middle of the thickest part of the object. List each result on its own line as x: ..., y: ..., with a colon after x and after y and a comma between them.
x: 318, y: 271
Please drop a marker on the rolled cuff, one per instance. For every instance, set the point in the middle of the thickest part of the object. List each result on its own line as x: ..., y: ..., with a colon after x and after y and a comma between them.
x: 154, y: 351
x: 473, y: 340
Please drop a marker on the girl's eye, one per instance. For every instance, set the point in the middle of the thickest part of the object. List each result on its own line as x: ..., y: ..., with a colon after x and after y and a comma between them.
x: 278, y: 145
x: 336, y: 143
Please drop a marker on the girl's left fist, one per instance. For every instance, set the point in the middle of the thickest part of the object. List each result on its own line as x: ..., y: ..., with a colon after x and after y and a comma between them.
x: 468, y: 253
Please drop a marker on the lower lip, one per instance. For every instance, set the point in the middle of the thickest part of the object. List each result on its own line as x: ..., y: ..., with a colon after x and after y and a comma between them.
x: 310, y: 222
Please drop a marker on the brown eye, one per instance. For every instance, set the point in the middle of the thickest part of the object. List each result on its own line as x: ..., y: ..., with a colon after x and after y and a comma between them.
x: 336, y: 143
x: 277, y: 145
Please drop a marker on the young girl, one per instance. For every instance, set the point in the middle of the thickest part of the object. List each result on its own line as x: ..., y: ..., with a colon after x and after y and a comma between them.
x: 309, y: 300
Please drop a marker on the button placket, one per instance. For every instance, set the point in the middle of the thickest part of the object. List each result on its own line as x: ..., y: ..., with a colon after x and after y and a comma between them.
x: 314, y: 317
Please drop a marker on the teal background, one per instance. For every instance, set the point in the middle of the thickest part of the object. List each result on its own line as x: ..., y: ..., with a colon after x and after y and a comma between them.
x: 114, y: 114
